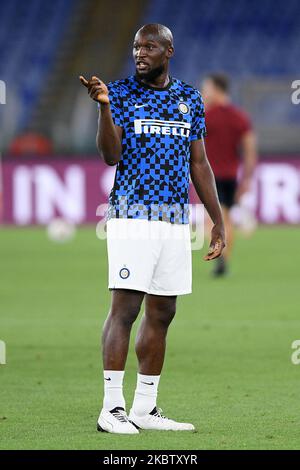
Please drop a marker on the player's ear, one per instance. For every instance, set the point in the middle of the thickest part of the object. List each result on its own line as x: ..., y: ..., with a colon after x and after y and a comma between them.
x: 170, y: 52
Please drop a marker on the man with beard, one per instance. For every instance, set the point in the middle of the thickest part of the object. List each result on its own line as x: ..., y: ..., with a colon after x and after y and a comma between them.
x: 152, y: 127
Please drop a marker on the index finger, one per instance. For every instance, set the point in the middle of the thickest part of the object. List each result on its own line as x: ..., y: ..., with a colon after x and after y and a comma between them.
x: 96, y: 79
x: 83, y: 81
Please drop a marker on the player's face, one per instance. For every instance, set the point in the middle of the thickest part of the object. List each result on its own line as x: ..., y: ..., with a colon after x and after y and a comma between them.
x: 150, y: 55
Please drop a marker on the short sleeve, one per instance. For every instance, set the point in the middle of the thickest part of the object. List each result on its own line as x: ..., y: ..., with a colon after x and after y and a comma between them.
x: 198, y: 130
x: 244, y: 123
x: 116, y: 103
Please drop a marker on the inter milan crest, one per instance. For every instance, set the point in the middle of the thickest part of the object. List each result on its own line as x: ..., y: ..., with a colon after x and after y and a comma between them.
x: 183, y: 107
x: 124, y: 273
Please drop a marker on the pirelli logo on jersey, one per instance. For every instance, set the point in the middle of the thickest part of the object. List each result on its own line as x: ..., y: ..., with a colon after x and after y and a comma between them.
x: 155, y: 126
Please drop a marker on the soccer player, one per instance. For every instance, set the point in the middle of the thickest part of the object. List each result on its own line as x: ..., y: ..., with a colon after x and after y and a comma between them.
x: 229, y: 136
x: 152, y: 127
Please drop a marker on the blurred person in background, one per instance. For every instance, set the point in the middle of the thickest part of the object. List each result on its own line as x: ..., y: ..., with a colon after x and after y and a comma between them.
x: 229, y: 139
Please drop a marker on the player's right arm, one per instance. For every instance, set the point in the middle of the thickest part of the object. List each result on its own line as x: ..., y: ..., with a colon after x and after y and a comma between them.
x: 109, y: 136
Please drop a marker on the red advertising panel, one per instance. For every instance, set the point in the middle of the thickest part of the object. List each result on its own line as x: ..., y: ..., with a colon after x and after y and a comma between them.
x: 35, y: 193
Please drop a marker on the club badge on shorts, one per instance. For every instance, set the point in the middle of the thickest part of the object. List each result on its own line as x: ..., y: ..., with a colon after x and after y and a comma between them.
x: 124, y: 273
x: 183, y: 107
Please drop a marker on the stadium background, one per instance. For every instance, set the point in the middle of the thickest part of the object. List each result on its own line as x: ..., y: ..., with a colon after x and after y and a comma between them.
x: 233, y: 336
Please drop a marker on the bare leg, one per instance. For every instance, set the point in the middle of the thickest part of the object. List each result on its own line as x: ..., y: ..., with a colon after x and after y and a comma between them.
x: 124, y: 310
x: 151, y: 338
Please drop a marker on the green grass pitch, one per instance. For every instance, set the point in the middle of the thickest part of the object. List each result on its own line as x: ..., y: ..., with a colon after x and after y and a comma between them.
x: 228, y: 367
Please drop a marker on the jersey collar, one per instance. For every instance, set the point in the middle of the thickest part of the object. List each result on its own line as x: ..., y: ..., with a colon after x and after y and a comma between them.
x: 149, y: 87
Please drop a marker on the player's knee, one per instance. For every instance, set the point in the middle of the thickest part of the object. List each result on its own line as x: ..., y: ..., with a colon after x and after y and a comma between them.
x: 163, y: 317
x: 167, y: 319
x: 126, y: 315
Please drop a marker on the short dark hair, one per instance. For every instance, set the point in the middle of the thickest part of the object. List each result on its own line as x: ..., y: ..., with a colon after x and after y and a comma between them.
x: 220, y: 80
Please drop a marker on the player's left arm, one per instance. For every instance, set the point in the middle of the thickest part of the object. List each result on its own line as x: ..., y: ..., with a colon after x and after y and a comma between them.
x: 249, y: 155
x: 204, y: 182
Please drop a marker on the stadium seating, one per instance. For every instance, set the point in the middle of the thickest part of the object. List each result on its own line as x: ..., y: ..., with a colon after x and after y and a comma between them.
x: 42, y: 42
x: 245, y: 39
x: 30, y: 33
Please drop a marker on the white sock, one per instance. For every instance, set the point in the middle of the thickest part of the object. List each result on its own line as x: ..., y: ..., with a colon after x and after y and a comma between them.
x: 145, y: 394
x: 113, y: 389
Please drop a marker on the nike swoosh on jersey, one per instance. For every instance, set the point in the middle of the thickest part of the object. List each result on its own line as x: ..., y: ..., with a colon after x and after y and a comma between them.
x: 140, y: 105
x: 148, y: 383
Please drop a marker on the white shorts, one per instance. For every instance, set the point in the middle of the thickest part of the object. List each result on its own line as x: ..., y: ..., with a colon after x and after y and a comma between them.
x: 149, y: 256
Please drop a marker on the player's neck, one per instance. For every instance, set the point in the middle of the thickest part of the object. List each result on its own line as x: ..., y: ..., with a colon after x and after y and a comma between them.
x: 161, y: 81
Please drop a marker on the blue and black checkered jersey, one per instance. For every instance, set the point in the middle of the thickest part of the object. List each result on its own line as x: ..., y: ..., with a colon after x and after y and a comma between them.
x: 159, y: 124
